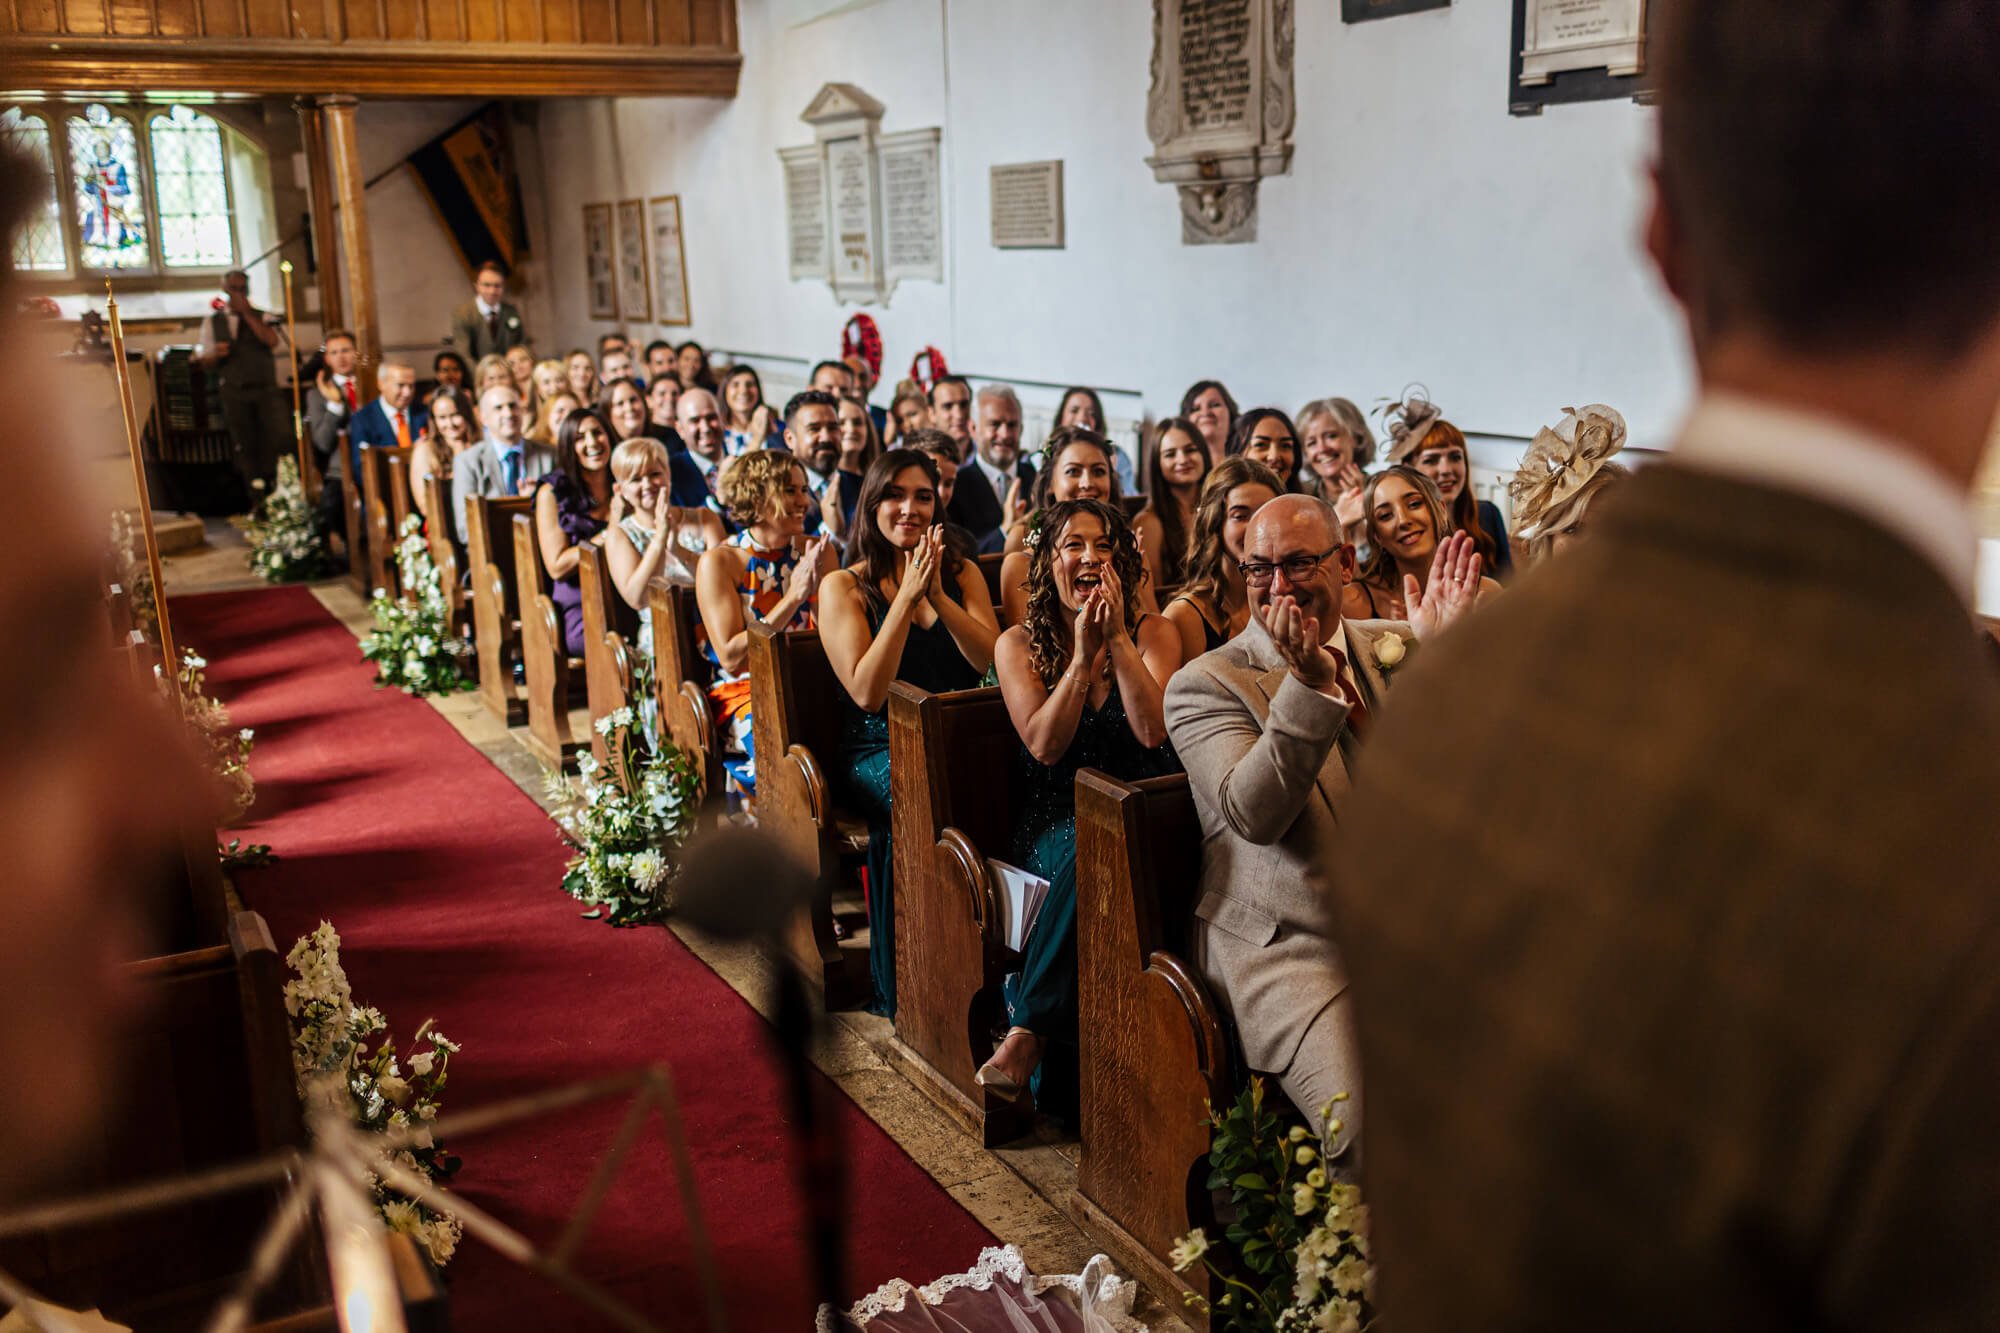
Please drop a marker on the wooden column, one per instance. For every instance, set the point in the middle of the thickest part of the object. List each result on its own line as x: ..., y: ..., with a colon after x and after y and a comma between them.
x: 348, y: 185
x: 319, y: 191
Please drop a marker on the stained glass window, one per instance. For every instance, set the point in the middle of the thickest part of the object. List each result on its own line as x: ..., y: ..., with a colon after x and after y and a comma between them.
x: 193, y: 190
x: 39, y: 246
x: 110, y: 194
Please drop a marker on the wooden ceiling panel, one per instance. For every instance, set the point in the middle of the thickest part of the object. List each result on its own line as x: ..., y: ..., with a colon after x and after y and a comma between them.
x: 405, y: 48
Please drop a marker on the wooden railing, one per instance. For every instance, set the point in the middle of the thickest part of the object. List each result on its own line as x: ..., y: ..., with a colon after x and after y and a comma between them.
x: 410, y: 48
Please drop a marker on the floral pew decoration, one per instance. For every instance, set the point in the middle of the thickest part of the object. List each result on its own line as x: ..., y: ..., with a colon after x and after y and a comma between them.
x: 285, y: 542
x: 1295, y: 1256
x: 413, y: 644
x: 384, y: 1093
x: 627, y: 822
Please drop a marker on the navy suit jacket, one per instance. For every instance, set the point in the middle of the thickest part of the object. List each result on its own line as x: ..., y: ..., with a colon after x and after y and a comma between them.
x: 975, y: 507
x: 371, y: 429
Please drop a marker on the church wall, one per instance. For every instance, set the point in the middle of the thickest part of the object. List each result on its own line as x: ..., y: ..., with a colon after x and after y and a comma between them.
x: 1422, y: 234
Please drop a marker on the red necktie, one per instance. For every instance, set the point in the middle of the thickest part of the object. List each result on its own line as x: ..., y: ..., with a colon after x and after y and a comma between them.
x: 1357, y: 715
x: 352, y: 401
x: 402, y: 429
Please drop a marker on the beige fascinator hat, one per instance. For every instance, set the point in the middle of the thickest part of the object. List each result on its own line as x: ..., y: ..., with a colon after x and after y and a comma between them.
x: 1407, y: 420
x: 1556, y: 472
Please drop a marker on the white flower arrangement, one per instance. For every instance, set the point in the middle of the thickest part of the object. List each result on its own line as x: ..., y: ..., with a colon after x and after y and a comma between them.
x: 226, y: 748
x: 412, y: 645
x: 627, y: 824
x: 1295, y: 1257
x: 285, y: 542
x: 330, y: 1056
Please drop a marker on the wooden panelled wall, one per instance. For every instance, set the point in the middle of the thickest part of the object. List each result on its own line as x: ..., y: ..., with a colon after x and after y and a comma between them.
x: 517, y: 48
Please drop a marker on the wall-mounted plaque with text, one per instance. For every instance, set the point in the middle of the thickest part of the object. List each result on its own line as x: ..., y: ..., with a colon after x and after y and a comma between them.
x: 1027, y: 206
x: 863, y: 209
x: 1360, y: 11
x: 1577, y: 51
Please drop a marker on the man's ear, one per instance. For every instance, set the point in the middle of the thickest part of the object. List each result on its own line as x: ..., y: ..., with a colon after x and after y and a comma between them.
x: 1346, y: 558
x: 1662, y: 239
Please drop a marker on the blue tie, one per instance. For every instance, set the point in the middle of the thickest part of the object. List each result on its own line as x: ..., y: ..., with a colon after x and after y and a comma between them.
x: 510, y: 466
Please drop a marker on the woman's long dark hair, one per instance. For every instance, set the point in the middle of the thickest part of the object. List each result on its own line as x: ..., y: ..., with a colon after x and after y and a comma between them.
x: 603, y: 409
x: 873, y: 557
x: 705, y: 377
x: 1162, y: 504
x: 1103, y: 426
x: 722, y: 390
x: 1195, y: 391
x: 567, y: 462
x: 1061, y: 438
x: 1050, y: 633
x: 1239, y: 439
x: 1381, y: 570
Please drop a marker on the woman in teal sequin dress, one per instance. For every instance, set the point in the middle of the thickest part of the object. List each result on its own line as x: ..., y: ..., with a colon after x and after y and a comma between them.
x: 1084, y: 675
x: 906, y: 607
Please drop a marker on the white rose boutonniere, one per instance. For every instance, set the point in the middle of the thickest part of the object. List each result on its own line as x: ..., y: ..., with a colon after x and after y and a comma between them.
x: 513, y: 321
x: 1390, y: 649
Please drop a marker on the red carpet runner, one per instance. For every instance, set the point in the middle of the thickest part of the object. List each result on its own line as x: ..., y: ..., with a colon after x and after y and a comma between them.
x: 442, y: 878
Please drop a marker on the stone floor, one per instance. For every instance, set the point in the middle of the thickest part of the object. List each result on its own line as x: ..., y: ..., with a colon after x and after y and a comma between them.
x: 1019, y: 1192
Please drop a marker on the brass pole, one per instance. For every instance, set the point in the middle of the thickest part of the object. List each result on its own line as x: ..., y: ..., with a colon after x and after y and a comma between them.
x: 172, y: 665
x: 298, y: 413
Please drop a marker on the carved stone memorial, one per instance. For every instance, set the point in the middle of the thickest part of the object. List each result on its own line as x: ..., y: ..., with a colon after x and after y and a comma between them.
x: 1220, y: 111
x: 1564, y: 35
x: 862, y: 208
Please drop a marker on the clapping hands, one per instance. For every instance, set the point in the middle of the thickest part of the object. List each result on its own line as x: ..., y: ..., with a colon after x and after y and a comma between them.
x: 1300, y: 642
x: 1452, y: 591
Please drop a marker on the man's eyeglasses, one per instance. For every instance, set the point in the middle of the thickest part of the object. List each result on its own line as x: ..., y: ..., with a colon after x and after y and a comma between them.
x: 1258, y: 573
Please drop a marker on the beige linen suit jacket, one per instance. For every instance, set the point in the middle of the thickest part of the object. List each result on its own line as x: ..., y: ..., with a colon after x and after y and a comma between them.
x: 1267, y: 757
x: 1671, y: 902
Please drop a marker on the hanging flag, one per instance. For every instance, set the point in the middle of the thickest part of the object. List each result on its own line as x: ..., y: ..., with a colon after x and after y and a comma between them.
x: 468, y: 174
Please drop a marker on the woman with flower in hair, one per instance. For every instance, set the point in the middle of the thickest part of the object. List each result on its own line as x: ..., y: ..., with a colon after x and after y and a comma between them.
x: 1212, y: 606
x: 1564, y: 470
x: 1084, y: 676
x: 906, y: 607
x: 1407, y: 518
x: 1421, y: 438
x: 767, y: 573
x: 1076, y: 464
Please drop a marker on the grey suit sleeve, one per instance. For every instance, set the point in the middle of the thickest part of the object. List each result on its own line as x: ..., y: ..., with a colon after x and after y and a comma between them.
x: 322, y: 423
x: 1258, y: 778
x: 463, y: 487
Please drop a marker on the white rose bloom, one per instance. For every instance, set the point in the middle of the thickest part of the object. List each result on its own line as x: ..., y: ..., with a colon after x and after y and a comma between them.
x: 1389, y: 649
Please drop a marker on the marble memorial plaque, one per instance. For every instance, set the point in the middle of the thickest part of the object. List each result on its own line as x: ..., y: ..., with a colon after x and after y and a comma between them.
x: 850, y: 174
x: 1027, y: 206
x: 1221, y: 109
x: 805, y: 211
x: 1564, y: 35
x: 913, y: 219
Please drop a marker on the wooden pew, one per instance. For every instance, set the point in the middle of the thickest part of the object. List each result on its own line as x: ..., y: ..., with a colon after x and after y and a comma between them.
x: 1153, y: 1048
x: 209, y: 1083
x: 952, y: 773
x: 354, y: 513
x: 681, y: 676
x: 496, y: 616
x: 545, y: 661
x: 402, y: 493
x: 379, y: 509
x: 610, y: 629
x: 795, y: 717
x: 445, y: 554
x: 989, y: 569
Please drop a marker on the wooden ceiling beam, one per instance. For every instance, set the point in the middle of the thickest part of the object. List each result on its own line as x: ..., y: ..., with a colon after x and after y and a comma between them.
x: 398, y: 69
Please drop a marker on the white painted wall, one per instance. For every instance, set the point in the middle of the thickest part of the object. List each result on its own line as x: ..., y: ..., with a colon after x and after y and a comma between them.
x: 1423, y: 233
x: 419, y: 278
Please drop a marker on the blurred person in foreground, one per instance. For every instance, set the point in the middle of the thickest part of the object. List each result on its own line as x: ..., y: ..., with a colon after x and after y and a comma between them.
x: 1668, y: 898
x: 93, y: 780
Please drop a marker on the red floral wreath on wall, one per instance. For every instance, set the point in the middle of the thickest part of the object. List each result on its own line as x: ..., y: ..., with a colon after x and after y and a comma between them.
x: 860, y: 338
x: 927, y: 368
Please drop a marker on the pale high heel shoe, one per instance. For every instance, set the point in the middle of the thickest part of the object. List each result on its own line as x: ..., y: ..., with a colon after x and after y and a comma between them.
x: 996, y: 1081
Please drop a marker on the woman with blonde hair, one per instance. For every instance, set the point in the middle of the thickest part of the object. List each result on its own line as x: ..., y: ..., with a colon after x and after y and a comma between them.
x: 1407, y: 519
x: 1212, y: 606
x: 766, y: 573
x: 580, y: 371
x: 549, y: 380
x: 1337, y: 446
x: 491, y: 370
x: 549, y: 419
x: 1564, y: 470
x: 652, y: 537
x: 454, y: 428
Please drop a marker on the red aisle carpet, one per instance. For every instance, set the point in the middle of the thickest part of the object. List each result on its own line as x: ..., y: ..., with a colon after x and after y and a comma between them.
x: 442, y: 878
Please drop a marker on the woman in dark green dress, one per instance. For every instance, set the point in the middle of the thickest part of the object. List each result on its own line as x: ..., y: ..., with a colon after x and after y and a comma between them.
x: 1084, y: 675
x: 905, y: 607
